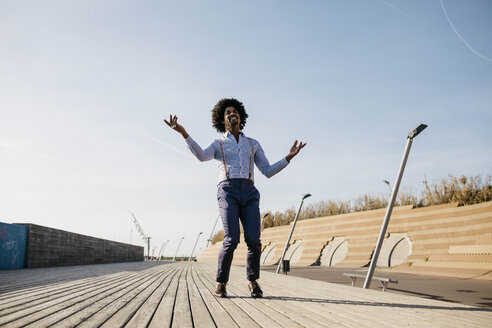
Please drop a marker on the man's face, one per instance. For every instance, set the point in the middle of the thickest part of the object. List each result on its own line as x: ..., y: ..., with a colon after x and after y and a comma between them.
x: 231, y: 117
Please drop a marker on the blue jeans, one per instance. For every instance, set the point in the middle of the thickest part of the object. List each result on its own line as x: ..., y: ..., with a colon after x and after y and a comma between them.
x: 239, y: 200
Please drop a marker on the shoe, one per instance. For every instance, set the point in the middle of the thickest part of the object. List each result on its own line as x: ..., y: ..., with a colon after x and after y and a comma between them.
x: 255, y: 290
x: 221, y: 291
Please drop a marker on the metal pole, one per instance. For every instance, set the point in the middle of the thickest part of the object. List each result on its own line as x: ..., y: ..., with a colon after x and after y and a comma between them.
x: 160, y: 251
x: 148, y: 248
x: 196, y: 242
x: 163, y: 247
x: 291, y: 231
x: 212, y: 233
x: 174, y: 258
x: 387, y: 216
x: 167, y: 242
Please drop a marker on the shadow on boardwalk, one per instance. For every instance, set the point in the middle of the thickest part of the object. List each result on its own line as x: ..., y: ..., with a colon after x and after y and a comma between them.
x: 358, y: 303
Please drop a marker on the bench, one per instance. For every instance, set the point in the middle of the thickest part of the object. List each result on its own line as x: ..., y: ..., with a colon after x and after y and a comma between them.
x: 384, y: 281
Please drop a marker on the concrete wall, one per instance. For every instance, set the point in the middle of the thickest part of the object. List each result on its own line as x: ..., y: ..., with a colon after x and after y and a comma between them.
x: 52, y: 247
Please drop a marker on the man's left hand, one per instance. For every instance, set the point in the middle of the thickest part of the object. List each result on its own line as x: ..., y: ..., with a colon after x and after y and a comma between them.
x: 294, y: 150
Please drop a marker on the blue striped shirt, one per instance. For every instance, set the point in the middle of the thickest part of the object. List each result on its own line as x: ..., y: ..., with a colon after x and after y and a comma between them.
x: 238, y: 157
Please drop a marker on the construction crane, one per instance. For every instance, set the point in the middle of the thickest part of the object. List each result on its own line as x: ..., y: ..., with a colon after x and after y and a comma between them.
x: 142, y: 233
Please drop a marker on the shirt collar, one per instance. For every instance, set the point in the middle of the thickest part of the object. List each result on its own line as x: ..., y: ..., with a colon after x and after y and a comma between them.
x: 229, y: 135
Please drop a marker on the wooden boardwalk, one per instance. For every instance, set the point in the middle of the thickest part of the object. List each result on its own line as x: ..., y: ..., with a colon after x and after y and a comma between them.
x: 180, y: 295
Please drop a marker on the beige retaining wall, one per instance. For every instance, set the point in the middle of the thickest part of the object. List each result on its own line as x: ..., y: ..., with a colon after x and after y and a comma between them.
x: 443, y: 240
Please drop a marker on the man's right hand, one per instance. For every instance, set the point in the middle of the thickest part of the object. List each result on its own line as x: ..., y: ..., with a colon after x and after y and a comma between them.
x: 173, y: 124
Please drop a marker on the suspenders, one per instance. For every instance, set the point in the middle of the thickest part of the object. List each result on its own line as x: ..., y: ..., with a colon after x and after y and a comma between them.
x: 225, y: 162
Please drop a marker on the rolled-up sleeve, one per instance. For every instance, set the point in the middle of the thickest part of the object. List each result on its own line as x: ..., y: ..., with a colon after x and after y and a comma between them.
x: 263, y: 164
x: 201, y: 154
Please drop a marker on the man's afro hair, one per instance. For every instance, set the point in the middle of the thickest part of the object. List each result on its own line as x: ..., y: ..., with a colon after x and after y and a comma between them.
x: 219, y: 109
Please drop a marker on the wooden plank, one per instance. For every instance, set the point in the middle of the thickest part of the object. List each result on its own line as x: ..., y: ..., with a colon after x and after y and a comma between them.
x: 364, y: 308
x: 279, y: 316
x: 200, y: 313
x: 164, y: 312
x: 243, y: 300
x: 319, y: 309
x: 260, y: 318
x: 84, y: 314
x: 180, y: 295
x: 221, y: 317
x: 182, y: 311
x: 402, y: 308
x: 288, y: 310
x: 104, y: 314
x: 29, y: 281
x: 28, y: 313
x: 124, y: 314
x: 235, y: 311
x: 74, y: 313
x: 37, y: 313
x: 144, y: 314
x: 24, y: 301
x: 33, y: 289
x: 339, y: 296
x: 337, y: 307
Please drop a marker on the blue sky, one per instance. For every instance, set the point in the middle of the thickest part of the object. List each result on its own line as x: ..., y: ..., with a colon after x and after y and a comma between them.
x: 84, y: 86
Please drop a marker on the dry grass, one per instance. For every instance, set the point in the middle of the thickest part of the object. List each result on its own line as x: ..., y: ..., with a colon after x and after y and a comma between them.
x: 218, y: 236
x: 464, y: 190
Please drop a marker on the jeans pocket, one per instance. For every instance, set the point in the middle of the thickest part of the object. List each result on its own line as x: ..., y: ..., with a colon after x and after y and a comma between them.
x: 255, y: 193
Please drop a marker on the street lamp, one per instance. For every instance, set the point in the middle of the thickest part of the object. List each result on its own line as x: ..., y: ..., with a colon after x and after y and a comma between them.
x: 212, y: 233
x: 388, y: 183
x: 415, y: 132
x: 174, y: 258
x: 163, y: 247
x: 291, y: 231
x: 196, y: 242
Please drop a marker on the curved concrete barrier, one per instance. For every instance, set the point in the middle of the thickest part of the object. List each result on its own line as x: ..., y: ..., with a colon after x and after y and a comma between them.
x: 294, y: 252
x: 334, y: 252
x: 395, y: 250
x: 268, y: 253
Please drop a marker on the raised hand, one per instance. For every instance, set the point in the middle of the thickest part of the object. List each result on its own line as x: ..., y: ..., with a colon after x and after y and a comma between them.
x: 294, y: 150
x: 173, y: 124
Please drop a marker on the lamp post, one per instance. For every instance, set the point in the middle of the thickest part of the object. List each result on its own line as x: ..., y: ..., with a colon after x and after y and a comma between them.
x: 212, y: 233
x: 415, y: 132
x: 174, y: 258
x: 291, y: 231
x: 163, y: 247
x: 388, y: 183
x: 196, y: 242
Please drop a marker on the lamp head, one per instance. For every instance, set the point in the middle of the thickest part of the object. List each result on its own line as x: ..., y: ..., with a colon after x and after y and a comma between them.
x: 415, y: 132
x: 306, y: 196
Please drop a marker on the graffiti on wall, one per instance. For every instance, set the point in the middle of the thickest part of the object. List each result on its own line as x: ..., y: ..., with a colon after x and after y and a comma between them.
x: 12, y: 246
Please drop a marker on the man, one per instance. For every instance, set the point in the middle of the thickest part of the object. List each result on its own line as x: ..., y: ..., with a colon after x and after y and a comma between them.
x: 237, y: 196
